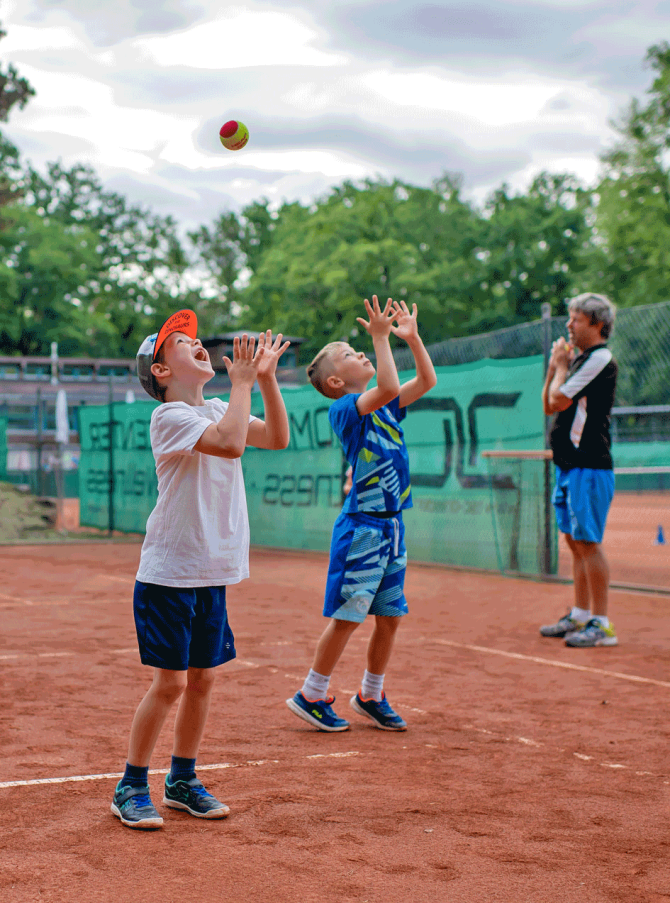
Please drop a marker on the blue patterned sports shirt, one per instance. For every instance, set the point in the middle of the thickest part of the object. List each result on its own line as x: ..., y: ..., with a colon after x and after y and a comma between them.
x: 375, y: 447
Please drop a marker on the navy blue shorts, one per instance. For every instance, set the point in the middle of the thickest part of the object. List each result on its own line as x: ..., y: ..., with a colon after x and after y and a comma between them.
x: 366, y: 573
x: 180, y: 628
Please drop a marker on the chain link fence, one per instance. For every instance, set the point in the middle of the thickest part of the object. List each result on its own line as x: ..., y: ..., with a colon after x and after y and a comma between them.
x: 640, y: 342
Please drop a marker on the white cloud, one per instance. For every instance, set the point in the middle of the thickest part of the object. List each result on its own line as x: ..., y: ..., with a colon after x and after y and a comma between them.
x: 78, y: 107
x: 239, y: 38
x: 22, y: 38
x: 513, y: 99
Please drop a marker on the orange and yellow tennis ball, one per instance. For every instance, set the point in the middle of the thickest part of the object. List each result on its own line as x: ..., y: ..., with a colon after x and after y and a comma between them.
x: 234, y: 134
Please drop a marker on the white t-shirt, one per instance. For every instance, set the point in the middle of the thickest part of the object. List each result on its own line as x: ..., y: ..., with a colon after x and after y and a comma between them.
x: 198, y: 533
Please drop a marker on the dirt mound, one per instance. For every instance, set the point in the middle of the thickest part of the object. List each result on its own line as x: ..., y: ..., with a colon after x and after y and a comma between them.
x: 23, y: 516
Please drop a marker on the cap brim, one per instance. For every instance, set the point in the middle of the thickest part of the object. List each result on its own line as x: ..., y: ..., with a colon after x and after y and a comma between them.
x: 183, y: 321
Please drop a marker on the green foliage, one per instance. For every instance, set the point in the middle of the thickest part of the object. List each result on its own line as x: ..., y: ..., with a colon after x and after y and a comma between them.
x: 310, y: 268
x: 137, y: 280
x: 467, y: 270
x: 15, y: 91
x: 632, y: 224
x: 82, y: 266
x: 535, y: 249
x: 44, y: 272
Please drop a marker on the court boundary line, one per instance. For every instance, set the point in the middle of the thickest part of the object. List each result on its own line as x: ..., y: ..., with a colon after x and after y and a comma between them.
x: 489, y: 650
x: 570, y: 666
x: 219, y: 766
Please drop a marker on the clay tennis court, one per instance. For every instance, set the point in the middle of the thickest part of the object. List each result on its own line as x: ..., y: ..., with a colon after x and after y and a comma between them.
x: 632, y: 528
x: 530, y: 772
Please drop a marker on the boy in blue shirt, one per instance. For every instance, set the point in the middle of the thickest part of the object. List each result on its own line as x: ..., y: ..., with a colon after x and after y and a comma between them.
x: 367, y: 556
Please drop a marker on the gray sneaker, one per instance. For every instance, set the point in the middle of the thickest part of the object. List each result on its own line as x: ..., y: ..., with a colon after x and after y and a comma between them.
x: 562, y: 628
x: 192, y: 796
x: 593, y: 634
x: 134, y: 807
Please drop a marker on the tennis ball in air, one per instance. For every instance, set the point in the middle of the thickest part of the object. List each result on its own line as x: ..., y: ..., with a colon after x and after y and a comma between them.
x: 234, y: 134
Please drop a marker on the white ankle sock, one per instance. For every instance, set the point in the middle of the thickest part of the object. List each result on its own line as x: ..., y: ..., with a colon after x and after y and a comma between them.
x: 580, y: 614
x: 372, y: 686
x: 603, y: 620
x: 315, y: 686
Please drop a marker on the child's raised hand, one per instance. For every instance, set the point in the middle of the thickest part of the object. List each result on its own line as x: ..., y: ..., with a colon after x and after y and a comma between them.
x: 406, y: 327
x: 273, y: 351
x: 381, y: 321
x: 243, y: 369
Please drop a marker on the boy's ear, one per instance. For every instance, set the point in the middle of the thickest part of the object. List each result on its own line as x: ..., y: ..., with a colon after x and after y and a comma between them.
x: 334, y: 382
x: 160, y: 371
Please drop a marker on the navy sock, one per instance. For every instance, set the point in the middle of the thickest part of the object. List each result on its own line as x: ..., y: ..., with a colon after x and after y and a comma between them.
x: 182, y: 769
x: 135, y: 776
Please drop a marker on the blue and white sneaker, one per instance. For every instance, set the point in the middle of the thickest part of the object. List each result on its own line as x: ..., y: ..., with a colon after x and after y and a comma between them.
x: 593, y: 634
x: 134, y: 807
x: 318, y: 713
x: 192, y: 796
x: 380, y: 713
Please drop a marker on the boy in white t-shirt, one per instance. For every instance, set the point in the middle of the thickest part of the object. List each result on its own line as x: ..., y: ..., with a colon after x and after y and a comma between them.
x: 197, y: 543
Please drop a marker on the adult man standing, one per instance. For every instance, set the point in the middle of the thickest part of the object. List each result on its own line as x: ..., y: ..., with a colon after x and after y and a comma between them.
x: 579, y: 389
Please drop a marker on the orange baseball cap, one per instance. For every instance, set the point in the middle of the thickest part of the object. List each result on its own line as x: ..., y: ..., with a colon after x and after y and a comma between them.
x: 183, y: 321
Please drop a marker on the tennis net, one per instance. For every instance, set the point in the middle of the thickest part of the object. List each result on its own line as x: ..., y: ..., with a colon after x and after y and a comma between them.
x: 636, y: 539
x: 524, y: 528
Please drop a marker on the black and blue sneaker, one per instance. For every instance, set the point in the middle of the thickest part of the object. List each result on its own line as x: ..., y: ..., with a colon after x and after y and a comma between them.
x: 192, y: 796
x: 134, y: 807
x: 318, y: 713
x: 380, y: 713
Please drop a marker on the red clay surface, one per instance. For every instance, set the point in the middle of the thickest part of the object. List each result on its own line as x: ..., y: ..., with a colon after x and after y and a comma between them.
x: 518, y: 780
x: 630, y: 540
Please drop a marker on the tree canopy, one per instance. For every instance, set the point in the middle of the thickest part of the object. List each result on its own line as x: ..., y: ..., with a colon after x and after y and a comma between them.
x: 85, y: 267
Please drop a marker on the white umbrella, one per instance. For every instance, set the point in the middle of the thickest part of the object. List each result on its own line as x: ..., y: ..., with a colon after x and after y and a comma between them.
x: 62, y: 424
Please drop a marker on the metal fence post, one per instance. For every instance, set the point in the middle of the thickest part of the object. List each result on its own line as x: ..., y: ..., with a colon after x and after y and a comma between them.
x: 110, y: 421
x: 546, y: 350
x: 39, y: 476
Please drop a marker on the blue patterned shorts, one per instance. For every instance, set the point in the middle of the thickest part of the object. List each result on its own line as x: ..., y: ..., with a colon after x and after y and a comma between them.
x: 366, y: 574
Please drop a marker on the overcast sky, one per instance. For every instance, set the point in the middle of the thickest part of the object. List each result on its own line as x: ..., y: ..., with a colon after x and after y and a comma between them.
x: 497, y: 90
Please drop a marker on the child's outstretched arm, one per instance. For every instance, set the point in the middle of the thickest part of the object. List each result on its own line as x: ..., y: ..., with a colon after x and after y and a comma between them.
x: 228, y: 437
x: 273, y: 432
x: 425, y: 378
x: 379, y: 328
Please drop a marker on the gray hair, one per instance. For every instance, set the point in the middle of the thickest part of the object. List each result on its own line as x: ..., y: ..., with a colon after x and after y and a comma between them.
x: 598, y: 307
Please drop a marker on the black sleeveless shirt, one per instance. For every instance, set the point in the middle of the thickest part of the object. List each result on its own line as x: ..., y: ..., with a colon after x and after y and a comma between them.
x: 580, y: 435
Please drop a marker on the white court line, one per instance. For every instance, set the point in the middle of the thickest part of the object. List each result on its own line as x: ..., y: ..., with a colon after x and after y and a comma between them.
x: 533, y: 743
x: 116, y: 775
x: 15, y: 655
x: 338, y: 755
x: 547, y: 661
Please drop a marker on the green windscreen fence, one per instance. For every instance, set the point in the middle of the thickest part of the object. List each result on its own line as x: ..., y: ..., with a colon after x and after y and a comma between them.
x: 294, y: 495
x: 3, y: 448
x: 127, y: 456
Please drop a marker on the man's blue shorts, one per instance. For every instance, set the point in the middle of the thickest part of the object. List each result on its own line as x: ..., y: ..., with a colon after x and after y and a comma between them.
x: 180, y: 628
x: 582, y: 499
x: 366, y: 574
